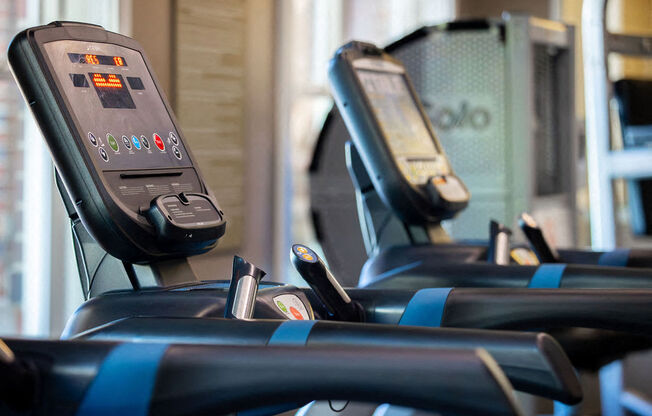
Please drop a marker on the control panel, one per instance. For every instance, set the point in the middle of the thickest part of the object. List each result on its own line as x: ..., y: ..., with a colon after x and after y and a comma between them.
x: 391, y: 132
x: 117, y: 148
x: 116, y: 106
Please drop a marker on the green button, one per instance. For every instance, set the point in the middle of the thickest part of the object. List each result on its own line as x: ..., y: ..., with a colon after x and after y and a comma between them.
x: 281, y: 306
x: 112, y: 142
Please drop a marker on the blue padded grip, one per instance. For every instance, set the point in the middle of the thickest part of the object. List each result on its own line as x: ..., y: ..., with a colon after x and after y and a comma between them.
x: 426, y: 308
x: 288, y: 333
x: 125, y: 381
x: 292, y: 333
x: 547, y: 276
x: 615, y: 258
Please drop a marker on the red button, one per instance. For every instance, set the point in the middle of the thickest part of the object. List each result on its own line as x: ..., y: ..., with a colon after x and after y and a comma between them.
x: 296, y: 313
x: 158, y: 141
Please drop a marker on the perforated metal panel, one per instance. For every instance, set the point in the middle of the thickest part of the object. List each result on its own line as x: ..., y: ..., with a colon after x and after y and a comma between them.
x: 460, y: 76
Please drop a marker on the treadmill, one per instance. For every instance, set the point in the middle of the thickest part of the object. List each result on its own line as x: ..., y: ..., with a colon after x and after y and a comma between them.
x: 139, y: 208
x: 405, y: 187
x: 331, y: 183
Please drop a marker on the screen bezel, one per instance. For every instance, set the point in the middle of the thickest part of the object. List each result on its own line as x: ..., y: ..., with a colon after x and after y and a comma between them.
x: 125, y: 233
x: 37, y: 38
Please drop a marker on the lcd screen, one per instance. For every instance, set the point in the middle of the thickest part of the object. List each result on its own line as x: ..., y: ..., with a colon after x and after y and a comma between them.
x: 399, y: 117
x: 112, y: 90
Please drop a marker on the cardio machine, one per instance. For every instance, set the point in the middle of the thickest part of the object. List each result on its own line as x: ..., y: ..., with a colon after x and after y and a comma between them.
x: 426, y: 53
x: 139, y: 208
x: 405, y: 187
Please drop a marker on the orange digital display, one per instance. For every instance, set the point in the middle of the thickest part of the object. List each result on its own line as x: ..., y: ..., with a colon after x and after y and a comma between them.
x: 112, y: 90
x: 92, y: 59
x: 106, y: 81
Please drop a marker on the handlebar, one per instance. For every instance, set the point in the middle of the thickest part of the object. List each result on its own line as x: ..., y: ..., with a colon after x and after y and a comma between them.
x: 618, y: 310
x: 427, y: 270
x: 208, y: 379
x: 533, y: 362
x: 624, y: 310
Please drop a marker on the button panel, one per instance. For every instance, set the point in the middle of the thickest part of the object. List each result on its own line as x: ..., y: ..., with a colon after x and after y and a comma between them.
x: 128, y: 133
x: 419, y: 171
x: 134, y: 143
x: 292, y: 307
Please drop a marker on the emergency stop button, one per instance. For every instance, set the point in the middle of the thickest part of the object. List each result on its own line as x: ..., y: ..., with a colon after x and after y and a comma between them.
x: 158, y: 141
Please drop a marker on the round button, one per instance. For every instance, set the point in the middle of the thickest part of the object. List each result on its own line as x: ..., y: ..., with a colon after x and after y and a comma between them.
x: 158, y: 141
x: 127, y: 142
x: 176, y: 152
x: 136, y: 142
x: 304, y: 253
x: 144, y: 141
x: 112, y: 142
x: 92, y: 139
x: 173, y: 138
x: 104, y: 155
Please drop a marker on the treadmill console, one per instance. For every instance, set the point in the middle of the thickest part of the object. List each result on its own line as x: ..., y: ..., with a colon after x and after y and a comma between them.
x: 393, y: 135
x: 115, y: 142
x: 117, y: 106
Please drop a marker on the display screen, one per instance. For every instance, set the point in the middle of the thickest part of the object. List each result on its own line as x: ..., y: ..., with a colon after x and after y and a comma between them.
x: 405, y: 130
x: 112, y: 90
x: 87, y: 58
x: 397, y: 114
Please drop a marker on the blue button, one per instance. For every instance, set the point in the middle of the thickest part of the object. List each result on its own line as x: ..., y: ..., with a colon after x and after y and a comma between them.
x: 136, y: 142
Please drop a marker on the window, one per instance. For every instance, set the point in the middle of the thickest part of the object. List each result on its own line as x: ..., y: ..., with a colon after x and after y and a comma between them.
x: 39, y: 287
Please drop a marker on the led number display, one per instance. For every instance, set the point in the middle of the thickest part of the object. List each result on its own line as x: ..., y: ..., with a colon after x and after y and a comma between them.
x: 112, y: 90
x: 106, y: 80
x: 87, y: 58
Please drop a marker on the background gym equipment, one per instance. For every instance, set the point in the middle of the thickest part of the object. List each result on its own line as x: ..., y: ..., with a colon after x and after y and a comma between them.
x: 486, y: 85
x: 405, y: 187
x: 394, y: 159
x: 146, y: 205
x: 455, y: 79
x: 149, y: 209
